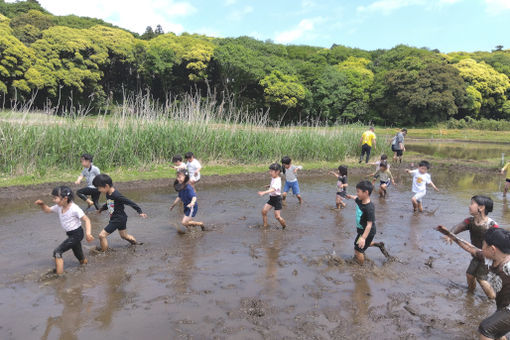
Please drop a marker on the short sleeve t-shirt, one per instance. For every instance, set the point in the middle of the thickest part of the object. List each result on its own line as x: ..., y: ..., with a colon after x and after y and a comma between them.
x: 192, y: 167
x: 499, y: 279
x: 90, y: 174
x: 506, y: 168
x: 187, y: 194
x: 367, y: 137
x: 420, y: 181
x: 384, y: 176
x: 397, y: 140
x: 477, y: 232
x: 339, y: 183
x: 364, y: 213
x: 71, y: 219
x: 290, y: 175
x: 276, y: 183
x: 378, y: 166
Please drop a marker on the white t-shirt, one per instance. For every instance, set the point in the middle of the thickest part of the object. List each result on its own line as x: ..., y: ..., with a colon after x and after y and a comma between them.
x: 276, y: 183
x: 70, y: 220
x: 192, y: 167
x: 420, y: 181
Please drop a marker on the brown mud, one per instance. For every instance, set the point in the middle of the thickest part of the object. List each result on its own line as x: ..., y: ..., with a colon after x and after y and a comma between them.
x: 238, y: 280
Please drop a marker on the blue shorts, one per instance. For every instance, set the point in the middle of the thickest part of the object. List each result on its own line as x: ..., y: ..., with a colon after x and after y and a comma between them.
x: 191, y: 212
x: 291, y: 185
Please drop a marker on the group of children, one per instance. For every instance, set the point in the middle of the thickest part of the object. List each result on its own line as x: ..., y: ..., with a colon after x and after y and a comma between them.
x: 490, y: 244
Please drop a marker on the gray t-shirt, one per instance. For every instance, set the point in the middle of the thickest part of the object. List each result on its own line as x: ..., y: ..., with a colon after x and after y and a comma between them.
x: 90, y: 174
x: 399, y: 138
x: 290, y: 175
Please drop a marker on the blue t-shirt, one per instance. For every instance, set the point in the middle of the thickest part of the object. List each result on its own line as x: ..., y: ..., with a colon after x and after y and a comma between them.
x: 187, y: 194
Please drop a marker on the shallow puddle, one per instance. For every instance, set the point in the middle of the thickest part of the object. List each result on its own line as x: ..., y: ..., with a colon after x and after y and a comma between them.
x: 239, y: 281
x: 468, y: 150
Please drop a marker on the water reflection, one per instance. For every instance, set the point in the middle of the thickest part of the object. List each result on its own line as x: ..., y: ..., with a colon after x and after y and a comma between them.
x: 459, y: 150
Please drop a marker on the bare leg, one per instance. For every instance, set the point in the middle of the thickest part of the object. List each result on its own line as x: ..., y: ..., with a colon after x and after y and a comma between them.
x: 279, y: 218
x: 102, y: 240
x: 360, y: 257
x: 284, y: 196
x: 507, y: 185
x: 265, y: 210
x: 383, y: 190
x: 420, y: 207
x: 381, y: 247
x: 471, y: 282
x: 300, y: 199
x: 415, y: 204
x: 127, y: 237
x: 487, y: 288
x: 59, y: 266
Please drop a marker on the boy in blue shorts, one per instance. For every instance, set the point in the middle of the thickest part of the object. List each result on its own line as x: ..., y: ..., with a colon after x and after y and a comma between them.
x: 187, y: 195
x: 290, y: 170
x: 115, y: 202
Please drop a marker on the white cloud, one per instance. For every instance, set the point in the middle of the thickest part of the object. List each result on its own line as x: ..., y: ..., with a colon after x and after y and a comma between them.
x: 127, y: 14
x: 388, y: 6
x: 239, y: 14
x: 305, y: 26
x: 497, y: 6
x: 230, y: 2
x: 308, y: 3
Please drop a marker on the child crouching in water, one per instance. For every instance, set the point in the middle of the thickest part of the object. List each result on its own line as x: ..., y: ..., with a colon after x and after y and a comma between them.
x: 275, y: 198
x: 341, y: 186
x: 385, y: 178
x: 365, y: 221
x: 291, y: 182
x: 70, y: 216
x: 187, y: 195
x: 477, y: 225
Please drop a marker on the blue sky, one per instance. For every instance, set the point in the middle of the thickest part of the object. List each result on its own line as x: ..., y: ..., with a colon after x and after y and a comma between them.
x: 448, y: 25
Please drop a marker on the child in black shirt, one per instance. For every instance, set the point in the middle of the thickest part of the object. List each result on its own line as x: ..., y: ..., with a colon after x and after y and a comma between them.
x: 365, y: 221
x: 115, y: 205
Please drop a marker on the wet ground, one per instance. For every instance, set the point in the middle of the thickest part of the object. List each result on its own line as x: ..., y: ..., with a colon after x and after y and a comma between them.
x: 467, y: 150
x: 239, y: 281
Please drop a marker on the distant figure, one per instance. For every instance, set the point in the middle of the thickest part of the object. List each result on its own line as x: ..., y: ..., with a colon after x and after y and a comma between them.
x: 71, y: 218
x: 367, y: 140
x: 397, y: 145
x: 507, y: 179
x: 384, y: 158
x: 188, y: 197
x: 477, y: 225
x: 421, y: 178
x: 290, y: 170
x: 275, y: 198
x: 385, y: 178
x: 341, y: 186
x: 194, y: 167
x: 90, y: 171
x: 178, y: 163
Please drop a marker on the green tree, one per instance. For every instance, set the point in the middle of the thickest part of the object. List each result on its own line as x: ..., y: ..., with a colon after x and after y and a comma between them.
x: 282, y: 89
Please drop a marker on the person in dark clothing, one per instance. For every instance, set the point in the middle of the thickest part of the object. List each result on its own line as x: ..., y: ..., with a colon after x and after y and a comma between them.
x: 115, y: 202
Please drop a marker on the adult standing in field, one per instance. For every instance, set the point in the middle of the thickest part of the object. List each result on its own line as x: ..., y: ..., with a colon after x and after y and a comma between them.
x: 397, y: 145
x: 367, y: 141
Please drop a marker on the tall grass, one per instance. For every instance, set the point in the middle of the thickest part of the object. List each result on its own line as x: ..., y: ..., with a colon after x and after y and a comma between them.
x: 141, y: 132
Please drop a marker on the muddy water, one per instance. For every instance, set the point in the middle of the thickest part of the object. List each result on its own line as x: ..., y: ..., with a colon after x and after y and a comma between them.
x: 238, y: 281
x: 469, y: 150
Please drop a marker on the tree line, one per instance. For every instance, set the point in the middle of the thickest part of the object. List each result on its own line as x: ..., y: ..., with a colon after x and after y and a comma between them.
x: 69, y: 60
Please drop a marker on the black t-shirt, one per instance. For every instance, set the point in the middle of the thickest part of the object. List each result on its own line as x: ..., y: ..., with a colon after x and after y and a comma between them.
x: 341, y: 180
x: 364, y: 213
x: 115, y: 206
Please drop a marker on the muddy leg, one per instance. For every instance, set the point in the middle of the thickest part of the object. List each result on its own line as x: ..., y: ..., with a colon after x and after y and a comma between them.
x: 420, y: 207
x: 284, y: 196
x: 197, y: 224
x: 300, y: 199
x: 381, y: 247
x: 415, y: 204
x: 102, y: 240
x: 360, y: 257
x: 59, y: 265
x: 127, y: 237
x: 265, y: 210
x: 507, y: 185
x: 487, y: 288
x: 471, y: 282
x: 279, y: 218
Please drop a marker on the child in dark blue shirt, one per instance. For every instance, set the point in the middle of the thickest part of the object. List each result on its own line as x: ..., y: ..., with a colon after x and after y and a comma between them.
x: 187, y: 195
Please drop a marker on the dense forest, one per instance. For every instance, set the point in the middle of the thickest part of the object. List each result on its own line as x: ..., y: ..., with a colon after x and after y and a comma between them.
x: 64, y: 62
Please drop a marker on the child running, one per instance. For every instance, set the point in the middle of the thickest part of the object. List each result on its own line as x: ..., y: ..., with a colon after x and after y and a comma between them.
x: 70, y: 216
x: 477, y: 225
x: 496, y: 249
x: 291, y: 182
x: 194, y: 167
x: 89, y: 172
x: 275, y: 198
x: 506, y: 169
x: 341, y: 186
x: 188, y: 197
x: 385, y: 178
x: 178, y: 163
x: 384, y: 158
x: 421, y: 178
x: 115, y: 205
x: 365, y: 221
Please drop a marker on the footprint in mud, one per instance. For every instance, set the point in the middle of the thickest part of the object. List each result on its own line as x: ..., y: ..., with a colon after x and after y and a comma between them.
x: 50, y: 275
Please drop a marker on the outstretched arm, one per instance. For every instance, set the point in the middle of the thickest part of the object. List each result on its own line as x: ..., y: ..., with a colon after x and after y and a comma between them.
x: 434, y: 186
x: 175, y: 203
x: 132, y: 204
x: 78, y: 181
x: 43, y: 206
x: 463, y: 244
x: 334, y: 174
x: 88, y: 228
x: 270, y: 190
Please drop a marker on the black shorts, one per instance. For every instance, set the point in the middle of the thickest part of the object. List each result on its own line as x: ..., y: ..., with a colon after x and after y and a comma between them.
x: 341, y: 193
x: 478, y: 269
x: 496, y: 325
x: 399, y: 152
x: 276, y: 202
x: 115, y: 225
x: 508, y: 180
x: 388, y: 182
x: 368, y: 240
x: 73, y: 242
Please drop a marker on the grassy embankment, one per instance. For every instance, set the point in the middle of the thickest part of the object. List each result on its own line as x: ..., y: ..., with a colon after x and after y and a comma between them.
x: 37, y: 148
